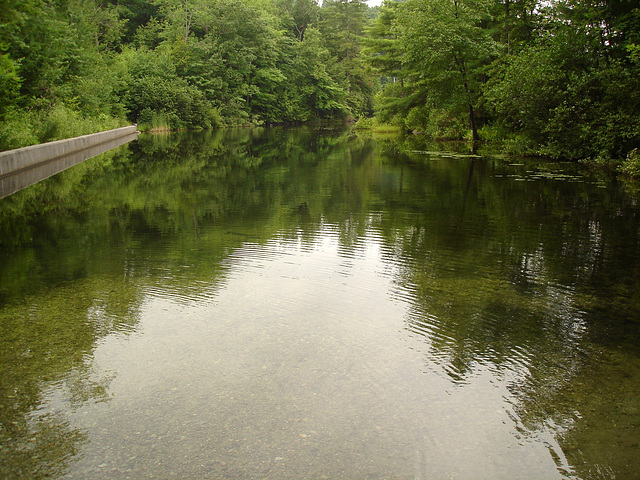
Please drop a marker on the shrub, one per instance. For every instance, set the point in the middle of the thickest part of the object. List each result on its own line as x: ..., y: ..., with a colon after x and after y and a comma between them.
x: 172, y: 102
x: 631, y: 165
x: 17, y: 131
x: 364, y: 123
x: 21, y: 129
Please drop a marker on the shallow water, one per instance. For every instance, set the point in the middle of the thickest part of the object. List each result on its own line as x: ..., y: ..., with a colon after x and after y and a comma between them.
x: 291, y: 304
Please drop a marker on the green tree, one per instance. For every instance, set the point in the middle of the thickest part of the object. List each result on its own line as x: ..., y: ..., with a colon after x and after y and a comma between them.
x: 56, y: 70
x: 381, y: 45
x: 384, y: 52
x: 299, y: 15
x: 514, y: 22
x: 342, y: 26
x: 574, y: 92
x: 446, y: 43
x: 316, y: 92
x: 10, y: 15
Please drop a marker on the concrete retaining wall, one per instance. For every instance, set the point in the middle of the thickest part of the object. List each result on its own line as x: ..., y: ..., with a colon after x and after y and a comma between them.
x: 13, y: 161
x: 20, y: 179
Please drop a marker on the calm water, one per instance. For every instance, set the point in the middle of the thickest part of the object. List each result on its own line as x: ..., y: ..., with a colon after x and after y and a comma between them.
x: 289, y: 304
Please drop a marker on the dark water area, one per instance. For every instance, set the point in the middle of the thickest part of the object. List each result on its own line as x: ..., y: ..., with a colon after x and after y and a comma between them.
x: 300, y: 303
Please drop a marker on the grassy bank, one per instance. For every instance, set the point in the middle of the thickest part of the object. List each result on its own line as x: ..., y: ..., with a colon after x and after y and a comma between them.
x: 21, y: 129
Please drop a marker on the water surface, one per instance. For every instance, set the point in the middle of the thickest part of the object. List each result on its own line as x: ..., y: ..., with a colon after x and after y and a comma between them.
x: 292, y: 304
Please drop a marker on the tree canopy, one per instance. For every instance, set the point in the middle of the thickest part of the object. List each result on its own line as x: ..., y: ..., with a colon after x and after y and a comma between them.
x: 71, y: 65
x: 557, y: 78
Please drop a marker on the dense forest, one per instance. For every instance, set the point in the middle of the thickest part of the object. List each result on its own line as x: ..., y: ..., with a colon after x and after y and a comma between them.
x: 559, y: 78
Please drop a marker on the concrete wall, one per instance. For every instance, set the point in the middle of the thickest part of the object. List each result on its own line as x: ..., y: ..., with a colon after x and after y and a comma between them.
x: 13, y: 161
x: 20, y: 179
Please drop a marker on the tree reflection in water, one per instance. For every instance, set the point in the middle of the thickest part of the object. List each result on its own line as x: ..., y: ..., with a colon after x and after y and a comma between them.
x: 529, y: 272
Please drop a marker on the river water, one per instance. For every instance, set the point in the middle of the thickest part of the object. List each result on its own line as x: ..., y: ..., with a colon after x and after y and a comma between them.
x: 300, y: 303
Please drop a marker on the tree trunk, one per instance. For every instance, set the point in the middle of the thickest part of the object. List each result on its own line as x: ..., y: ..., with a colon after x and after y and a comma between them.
x: 472, y: 121
x: 507, y: 25
x: 462, y: 68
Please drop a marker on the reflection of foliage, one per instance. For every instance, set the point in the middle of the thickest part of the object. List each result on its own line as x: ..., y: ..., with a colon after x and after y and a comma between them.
x: 40, y: 447
x: 78, y: 251
x: 535, y: 279
x: 516, y: 268
x: 41, y: 340
x: 605, y: 427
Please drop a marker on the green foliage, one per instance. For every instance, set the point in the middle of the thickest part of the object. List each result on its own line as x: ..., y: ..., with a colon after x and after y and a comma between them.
x: 436, y: 123
x: 20, y: 129
x: 342, y: 25
x: 364, y: 123
x: 176, y: 64
x: 313, y: 87
x: 631, y: 165
x: 9, y: 80
x: 62, y: 84
x: 560, y: 79
x: 178, y: 103
x: 634, y: 53
x: 567, y: 108
x: 64, y: 122
x: 382, y: 48
x: 17, y: 131
x: 525, y: 90
x: 432, y: 56
x: 299, y: 15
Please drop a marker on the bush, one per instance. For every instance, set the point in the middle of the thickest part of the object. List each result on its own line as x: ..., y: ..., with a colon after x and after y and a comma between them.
x: 17, y: 131
x: 508, y: 142
x: 364, y: 123
x: 215, y: 117
x: 58, y: 123
x: 62, y: 122
x: 155, y: 121
x: 21, y: 129
x: 172, y: 102
x: 416, y: 119
x: 631, y: 165
x: 436, y: 123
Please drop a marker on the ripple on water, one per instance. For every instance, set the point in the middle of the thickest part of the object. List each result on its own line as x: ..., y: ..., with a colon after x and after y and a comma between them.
x: 183, y: 291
